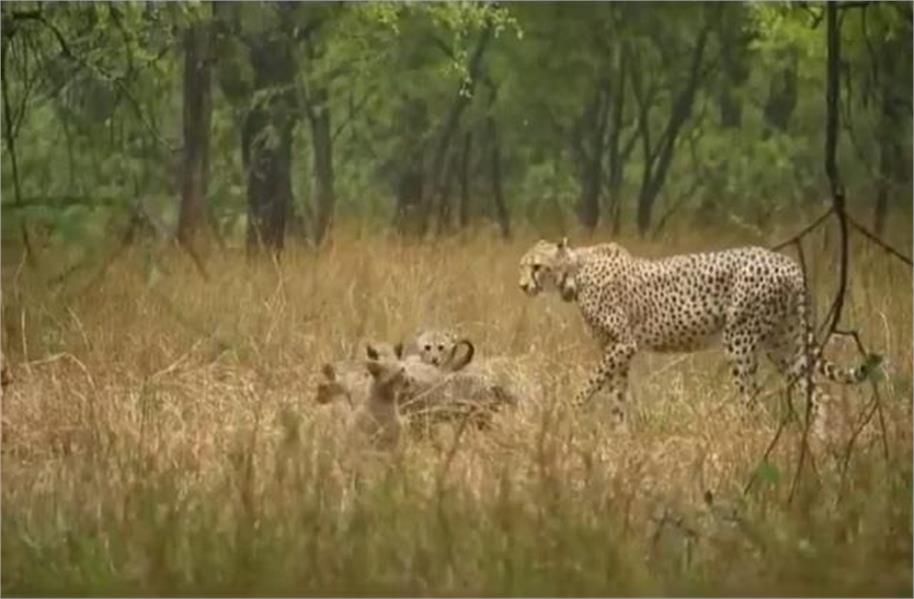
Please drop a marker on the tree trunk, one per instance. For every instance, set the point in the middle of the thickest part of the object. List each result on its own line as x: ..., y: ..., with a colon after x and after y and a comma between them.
x: 318, y: 110
x: 408, y: 164
x: 892, y: 166
x: 322, y: 144
x: 618, y: 155
x: 734, y: 43
x: 657, y: 160
x: 444, y: 204
x: 410, y: 194
x: 464, y: 95
x: 464, y: 216
x: 192, y: 220
x: 501, y: 210
x: 10, y: 140
x: 782, y: 96
x: 592, y: 133
x: 267, y: 145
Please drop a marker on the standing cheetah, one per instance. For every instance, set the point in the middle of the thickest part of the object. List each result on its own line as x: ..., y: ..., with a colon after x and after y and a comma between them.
x: 752, y: 298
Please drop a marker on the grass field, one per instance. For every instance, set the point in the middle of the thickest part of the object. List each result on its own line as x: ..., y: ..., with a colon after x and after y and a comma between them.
x: 160, y: 437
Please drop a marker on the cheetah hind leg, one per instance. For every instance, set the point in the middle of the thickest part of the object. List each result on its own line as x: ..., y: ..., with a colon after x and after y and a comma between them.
x: 741, y: 349
x: 793, y: 365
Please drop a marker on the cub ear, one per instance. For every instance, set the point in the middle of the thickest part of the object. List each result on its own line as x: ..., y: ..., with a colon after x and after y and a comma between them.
x: 327, y: 392
x: 372, y: 352
x: 329, y: 371
x: 563, y: 244
x: 398, y: 350
x: 375, y: 368
x: 456, y: 361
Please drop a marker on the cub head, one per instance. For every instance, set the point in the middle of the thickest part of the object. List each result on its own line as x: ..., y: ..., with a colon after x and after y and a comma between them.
x: 548, y: 266
x: 444, y: 350
x: 389, y: 379
x: 331, y: 389
x: 383, y: 351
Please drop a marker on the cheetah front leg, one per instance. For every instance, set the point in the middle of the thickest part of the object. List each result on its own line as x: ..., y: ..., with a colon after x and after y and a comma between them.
x: 612, y: 370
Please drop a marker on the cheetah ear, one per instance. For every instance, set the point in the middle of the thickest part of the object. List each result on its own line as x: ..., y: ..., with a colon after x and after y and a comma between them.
x: 398, y: 350
x: 563, y: 244
x: 371, y: 351
x: 329, y: 371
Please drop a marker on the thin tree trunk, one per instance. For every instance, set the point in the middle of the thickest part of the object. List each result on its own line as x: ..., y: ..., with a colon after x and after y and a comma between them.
x: 192, y: 219
x: 732, y: 53
x: 501, y: 210
x: 444, y: 205
x: 410, y: 194
x: 8, y: 129
x: 593, y: 125
x: 617, y: 154
x: 782, y: 96
x: 267, y: 146
x: 891, y: 163
x: 461, y: 101
x: 318, y: 110
x: 465, y: 180
x: 832, y: 93
x: 408, y: 165
x: 657, y: 160
x: 322, y: 145
x: 11, y: 148
x: 882, y: 196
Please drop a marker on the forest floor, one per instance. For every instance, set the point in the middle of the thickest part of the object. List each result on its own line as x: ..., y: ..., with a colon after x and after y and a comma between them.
x: 160, y: 436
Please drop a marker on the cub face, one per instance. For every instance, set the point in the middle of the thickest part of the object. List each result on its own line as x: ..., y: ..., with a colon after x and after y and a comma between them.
x: 444, y: 350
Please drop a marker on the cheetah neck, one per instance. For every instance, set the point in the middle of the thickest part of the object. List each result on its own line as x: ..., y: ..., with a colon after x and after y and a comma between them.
x: 568, y: 285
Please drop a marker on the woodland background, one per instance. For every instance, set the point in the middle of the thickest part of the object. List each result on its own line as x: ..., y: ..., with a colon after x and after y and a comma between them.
x: 202, y: 203
x: 277, y: 121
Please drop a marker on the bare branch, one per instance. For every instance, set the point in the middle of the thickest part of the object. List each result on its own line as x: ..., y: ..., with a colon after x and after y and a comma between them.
x: 873, y: 238
x: 806, y: 231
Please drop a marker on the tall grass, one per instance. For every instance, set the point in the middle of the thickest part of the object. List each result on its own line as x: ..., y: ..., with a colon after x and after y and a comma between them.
x: 161, y: 437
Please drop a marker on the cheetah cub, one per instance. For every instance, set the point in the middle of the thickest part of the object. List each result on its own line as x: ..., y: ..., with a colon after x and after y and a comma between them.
x: 349, y: 380
x: 432, y: 395
x: 440, y: 348
x: 378, y: 419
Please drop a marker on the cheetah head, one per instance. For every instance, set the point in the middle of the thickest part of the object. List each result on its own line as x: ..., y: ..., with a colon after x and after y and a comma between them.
x: 546, y: 266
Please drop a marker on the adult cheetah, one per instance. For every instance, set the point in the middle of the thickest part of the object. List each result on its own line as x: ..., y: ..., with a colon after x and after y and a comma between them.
x: 752, y: 298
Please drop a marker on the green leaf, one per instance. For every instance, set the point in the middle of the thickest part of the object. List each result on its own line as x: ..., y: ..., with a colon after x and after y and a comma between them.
x: 768, y: 473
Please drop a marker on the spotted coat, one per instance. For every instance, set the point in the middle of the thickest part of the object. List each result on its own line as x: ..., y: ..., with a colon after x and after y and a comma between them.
x: 751, y: 299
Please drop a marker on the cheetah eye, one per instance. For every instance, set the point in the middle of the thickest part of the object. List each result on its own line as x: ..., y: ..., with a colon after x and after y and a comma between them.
x: 428, y: 348
x: 440, y: 348
x: 536, y: 267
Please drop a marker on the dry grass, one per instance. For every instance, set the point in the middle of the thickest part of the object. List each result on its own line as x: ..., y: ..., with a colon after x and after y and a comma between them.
x: 161, y: 437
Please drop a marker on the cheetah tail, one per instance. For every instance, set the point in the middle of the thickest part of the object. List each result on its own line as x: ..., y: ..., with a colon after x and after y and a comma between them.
x: 868, y: 369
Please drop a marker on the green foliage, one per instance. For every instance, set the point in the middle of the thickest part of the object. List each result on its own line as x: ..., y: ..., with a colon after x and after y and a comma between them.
x: 768, y: 473
x: 95, y: 100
